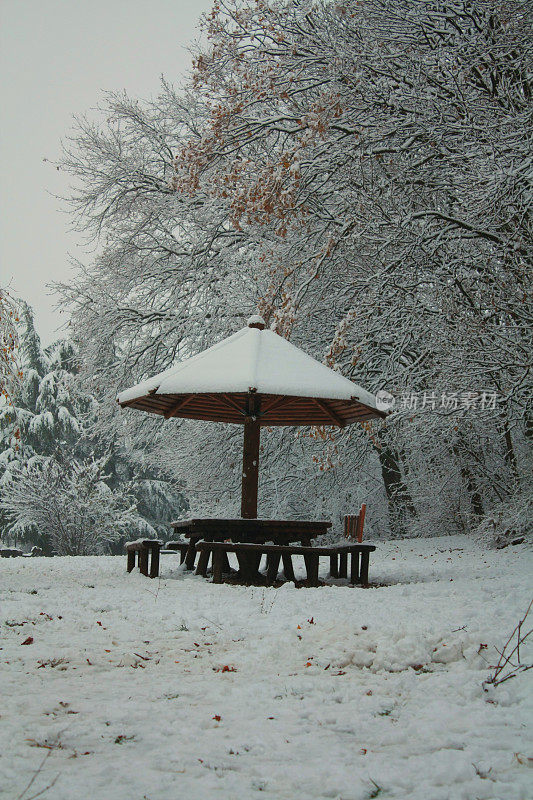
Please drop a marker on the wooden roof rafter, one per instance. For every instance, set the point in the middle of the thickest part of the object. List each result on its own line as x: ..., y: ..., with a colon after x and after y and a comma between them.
x: 178, y: 406
x: 329, y: 411
x: 229, y: 402
x: 276, y: 403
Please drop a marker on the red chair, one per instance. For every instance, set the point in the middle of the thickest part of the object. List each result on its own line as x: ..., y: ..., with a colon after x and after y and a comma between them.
x: 354, y: 524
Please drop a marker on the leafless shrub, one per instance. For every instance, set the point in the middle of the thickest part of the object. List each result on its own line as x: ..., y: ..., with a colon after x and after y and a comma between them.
x: 510, y: 663
x: 23, y: 795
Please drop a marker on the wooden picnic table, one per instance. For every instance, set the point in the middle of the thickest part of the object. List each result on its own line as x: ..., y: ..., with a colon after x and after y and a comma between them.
x: 251, y: 531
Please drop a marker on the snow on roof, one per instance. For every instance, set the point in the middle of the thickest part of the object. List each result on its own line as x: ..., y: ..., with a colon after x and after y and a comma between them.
x: 253, y: 358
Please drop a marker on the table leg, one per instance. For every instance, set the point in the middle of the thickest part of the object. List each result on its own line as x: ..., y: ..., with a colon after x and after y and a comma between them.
x: 154, y: 565
x: 288, y: 569
x: 311, y: 565
x: 272, y: 566
x: 245, y: 566
x: 333, y: 566
x: 354, y: 568
x: 203, y: 561
x: 255, y: 561
x: 365, y: 559
x: 143, y: 561
x: 191, y: 553
x: 226, y: 569
x: 217, y: 566
x: 343, y: 566
x: 131, y: 560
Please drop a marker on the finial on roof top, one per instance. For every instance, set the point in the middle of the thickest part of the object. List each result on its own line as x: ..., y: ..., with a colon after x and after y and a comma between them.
x: 256, y: 322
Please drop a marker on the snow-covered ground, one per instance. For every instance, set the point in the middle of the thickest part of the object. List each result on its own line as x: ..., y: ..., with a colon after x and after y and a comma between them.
x: 138, y: 689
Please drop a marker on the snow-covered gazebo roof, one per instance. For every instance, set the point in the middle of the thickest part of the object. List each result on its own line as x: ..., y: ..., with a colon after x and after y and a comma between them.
x: 289, y: 387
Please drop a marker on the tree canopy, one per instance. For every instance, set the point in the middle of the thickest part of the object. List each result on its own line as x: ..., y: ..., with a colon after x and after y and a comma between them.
x: 358, y: 173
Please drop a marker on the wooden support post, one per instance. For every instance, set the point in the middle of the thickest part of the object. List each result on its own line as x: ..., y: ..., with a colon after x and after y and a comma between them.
x: 354, y: 568
x: 226, y: 569
x: 333, y: 566
x: 250, y: 459
x: 288, y: 569
x: 217, y: 566
x: 131, y: 560
x: 311, y: 565
x: 191, y: 553
x: 251, y: 561
x: 272, y: 566
x: 255, y: 561
x: 154, y: 562
x: 143, y: 560
x: 241, y: 561
x: 365, y: 558
x: 343, y: 566
x: 247, y: 563
x: 203, y: 561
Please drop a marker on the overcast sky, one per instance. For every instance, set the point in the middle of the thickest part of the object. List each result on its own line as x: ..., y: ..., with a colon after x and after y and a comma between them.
x: 56, y: 59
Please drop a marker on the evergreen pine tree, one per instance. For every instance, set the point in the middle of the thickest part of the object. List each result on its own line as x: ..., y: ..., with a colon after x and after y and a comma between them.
x: 52, y: 419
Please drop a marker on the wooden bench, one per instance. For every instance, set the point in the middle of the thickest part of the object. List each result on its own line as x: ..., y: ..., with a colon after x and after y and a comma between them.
x: 10, y: 552
x: 141, y: 550
x: 188, y: 552
x: 180, y: 547
x: 249, y: 557
x: 146, y: 551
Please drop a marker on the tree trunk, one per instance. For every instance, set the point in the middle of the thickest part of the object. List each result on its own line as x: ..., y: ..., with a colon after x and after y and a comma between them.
x: 510, y: 455
x: 473, y: 493
x: 399, y: 500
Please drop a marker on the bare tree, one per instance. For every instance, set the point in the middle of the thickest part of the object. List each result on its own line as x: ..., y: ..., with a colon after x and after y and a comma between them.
x: 359, y: 173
